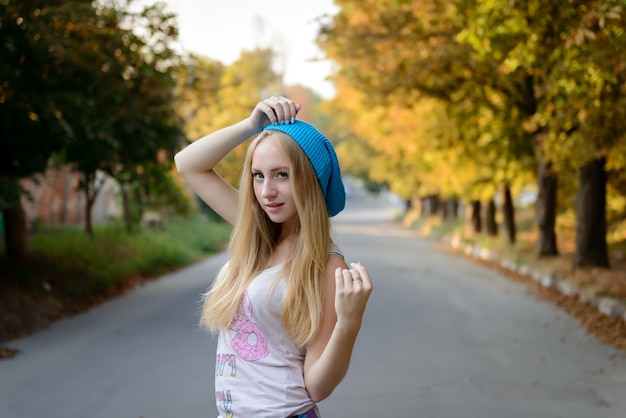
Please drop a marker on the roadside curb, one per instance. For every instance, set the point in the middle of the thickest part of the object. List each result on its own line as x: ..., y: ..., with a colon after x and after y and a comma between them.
x: 608, y: 306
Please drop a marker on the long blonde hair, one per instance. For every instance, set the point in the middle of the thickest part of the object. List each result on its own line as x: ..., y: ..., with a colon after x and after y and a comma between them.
x: 254, y: 238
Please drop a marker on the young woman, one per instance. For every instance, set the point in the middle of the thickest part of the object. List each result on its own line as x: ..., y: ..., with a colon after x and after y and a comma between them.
x: 286, y: 306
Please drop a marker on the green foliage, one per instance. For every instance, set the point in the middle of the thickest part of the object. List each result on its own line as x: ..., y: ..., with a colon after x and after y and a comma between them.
x: 10, y: 192
x: 159, y: 190
x: 88, y: 84
x: 198, y: 89
x: 133, y: 117
x: 444, y: 101
x: 523, y: 83
x: 241, y: 86
x: 76, y: 266
x: 31, y: 76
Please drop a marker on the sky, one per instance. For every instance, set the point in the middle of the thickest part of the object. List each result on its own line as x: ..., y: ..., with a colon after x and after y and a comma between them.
x: 221, y: 29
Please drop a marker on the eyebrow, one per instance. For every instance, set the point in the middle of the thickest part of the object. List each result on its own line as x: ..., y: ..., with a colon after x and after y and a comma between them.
x: 271, y: 171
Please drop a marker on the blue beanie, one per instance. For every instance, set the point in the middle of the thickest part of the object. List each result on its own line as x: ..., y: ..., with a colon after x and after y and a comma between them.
x: 323, y: 158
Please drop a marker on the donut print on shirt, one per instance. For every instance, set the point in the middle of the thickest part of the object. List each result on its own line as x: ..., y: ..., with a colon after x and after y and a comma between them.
x: 244, y: 343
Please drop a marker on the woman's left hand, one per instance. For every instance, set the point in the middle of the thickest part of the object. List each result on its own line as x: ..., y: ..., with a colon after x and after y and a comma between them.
x: 352, y: 289
x: 328, y: 355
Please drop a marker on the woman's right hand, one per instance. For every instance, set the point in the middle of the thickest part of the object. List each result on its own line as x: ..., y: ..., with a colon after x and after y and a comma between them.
x: 275, y: 110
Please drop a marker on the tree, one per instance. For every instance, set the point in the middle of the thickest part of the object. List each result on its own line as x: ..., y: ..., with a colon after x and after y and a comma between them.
x: 79, y: 85
x: 399, y: 53
x: 515, y: 56
x: 128, y: 115
x: 148, y: 128
x: 568, y: 53
x: 587, y: 97
x: 32, y: 73
x: 526, y: 61
x: 198, y: 90
x: 242, y: 85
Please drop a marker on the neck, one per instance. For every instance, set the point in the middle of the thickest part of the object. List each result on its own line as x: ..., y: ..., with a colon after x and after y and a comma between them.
x: 281, y: 252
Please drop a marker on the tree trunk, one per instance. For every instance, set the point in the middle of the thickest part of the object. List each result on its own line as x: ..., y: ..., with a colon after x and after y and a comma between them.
x: 90, y: 197
x: 455, y: 208
x: 476, y: 222
x: 591, y: 247
x: 16, y: 233
x: 436, y: 204
x: 546, y: 210
x: 491, y: 225
x: 417, y: 205
x: 66, y: 195
x: 450, y: 209
x: 508, y: 212
x: 430, y: 205
x: 93, y: 183
x: 445, y: 214
x: 88, y: 223
x: 128, y: 219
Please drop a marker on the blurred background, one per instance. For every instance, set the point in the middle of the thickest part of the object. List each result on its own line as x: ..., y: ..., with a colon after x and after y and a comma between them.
x: 497, y: 123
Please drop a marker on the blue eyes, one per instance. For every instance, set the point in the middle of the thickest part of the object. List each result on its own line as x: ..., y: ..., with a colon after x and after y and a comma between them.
x: 279, y: 175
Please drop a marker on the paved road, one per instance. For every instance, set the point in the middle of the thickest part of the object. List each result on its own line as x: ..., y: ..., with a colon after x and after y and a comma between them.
x: 442, y: 337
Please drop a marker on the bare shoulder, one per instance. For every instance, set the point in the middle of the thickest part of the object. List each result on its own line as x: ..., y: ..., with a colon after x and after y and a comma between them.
x: 335, y: 261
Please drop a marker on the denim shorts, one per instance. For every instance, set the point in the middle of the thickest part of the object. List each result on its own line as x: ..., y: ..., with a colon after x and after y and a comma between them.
x: 309, y: 414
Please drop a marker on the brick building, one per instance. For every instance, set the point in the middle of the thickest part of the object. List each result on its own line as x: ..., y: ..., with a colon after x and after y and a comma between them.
x: 54, y: 198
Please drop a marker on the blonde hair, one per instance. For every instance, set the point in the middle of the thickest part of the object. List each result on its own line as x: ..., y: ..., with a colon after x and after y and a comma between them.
x: 254, y: 238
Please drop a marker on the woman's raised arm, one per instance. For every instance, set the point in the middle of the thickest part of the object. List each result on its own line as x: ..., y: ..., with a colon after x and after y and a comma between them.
x: 197, y: 161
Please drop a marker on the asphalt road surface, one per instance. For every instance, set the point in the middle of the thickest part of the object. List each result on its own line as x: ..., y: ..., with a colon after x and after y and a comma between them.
x: 442, y: 338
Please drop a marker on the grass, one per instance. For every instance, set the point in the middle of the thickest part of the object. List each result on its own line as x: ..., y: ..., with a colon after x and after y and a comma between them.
x: 73, y: 266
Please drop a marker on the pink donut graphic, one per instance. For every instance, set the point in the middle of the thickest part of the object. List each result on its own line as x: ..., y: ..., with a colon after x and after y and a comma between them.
x: 245, y: 328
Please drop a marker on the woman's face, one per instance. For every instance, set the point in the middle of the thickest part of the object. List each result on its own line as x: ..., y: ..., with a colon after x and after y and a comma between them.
x: 272, y: 187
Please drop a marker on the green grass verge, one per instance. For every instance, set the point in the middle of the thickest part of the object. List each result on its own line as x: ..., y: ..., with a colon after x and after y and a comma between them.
x: 75, y: 266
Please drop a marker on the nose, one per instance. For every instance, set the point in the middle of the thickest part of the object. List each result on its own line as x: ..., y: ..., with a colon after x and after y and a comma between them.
x: 268, y: 189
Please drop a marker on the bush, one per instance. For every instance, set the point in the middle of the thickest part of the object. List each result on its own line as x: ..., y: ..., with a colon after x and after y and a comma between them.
x: 75, y: 266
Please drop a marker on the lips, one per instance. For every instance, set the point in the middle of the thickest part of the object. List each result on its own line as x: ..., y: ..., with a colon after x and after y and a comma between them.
x: 273, y: 207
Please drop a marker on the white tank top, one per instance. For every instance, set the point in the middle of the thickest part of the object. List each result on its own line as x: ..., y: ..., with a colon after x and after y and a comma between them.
x: 259, y: 369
